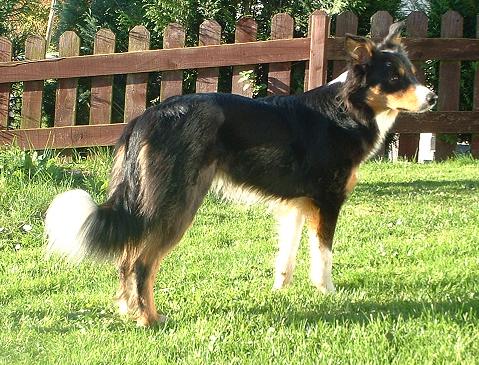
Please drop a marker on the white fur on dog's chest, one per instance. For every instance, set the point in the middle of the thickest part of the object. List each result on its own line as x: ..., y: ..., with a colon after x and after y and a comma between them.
x: 385, y: 121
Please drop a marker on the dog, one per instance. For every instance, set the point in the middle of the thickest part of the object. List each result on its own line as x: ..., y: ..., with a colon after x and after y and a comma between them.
x: 300, y: 152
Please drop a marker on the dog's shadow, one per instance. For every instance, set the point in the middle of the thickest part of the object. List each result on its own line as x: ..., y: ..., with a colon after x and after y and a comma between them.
x: 366, y: 312
x: 282, y: 311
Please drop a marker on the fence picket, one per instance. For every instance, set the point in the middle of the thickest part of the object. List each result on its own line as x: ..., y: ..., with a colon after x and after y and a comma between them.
x: 207, y: 79
x: 246, y: 29
x: 449, y: 79
x: 66, y: 97
x: 380, y: 23
x: 136, y: 84
x: 33, y: 90
x: 346, y: 22
x: 318, y: 62
x: 172, y: 81
x: 416, y: 24
x: 5, y: 56
x: 279, y: 76
x: 102, y: 86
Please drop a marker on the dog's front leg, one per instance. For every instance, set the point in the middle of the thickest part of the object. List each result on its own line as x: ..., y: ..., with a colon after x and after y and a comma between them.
x: 321, y: 226
x: 290, y: 225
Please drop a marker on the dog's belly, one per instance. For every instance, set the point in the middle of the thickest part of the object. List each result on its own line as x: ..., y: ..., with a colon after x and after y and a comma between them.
x: 269, y: 171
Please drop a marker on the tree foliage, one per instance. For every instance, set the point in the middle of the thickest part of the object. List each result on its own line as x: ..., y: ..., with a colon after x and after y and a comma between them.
x: 86, y: 16
x: 20, y: 18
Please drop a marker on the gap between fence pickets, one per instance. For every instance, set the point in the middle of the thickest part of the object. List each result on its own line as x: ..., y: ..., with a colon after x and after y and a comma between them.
x: 271, y: 51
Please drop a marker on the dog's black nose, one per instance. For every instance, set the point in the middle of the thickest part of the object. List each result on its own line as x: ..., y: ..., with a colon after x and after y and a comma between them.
x: 431, y: 98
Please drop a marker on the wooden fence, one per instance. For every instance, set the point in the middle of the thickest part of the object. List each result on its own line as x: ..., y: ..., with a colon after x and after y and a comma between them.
x: 317, y: 50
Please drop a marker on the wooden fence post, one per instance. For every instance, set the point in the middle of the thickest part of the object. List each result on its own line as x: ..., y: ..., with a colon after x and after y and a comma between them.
x: 475, y: 137
x: 207, y: 79
x: 380, y: 23
x: 102, y: 86
x: 246, y: 29
x: 66, y: 98
x: 346, y: 22
x: 172, y: 81
x: 279, y: 76
x: 33, y: 90
x: 5, y: 56
x: 449, y: 79
x: 318, y: 62
x: 136, y: 84
x: 416, y: 24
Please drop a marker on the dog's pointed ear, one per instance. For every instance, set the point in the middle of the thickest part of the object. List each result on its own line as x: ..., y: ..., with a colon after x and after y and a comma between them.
x: 359, y: 49
x: 393, y: 39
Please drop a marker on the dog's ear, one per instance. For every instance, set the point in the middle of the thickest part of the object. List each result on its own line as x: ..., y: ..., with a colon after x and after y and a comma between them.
x: 393, y: 39
x: 359, y: 49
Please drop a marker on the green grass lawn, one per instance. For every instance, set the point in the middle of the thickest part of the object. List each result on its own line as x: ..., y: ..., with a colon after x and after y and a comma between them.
x: 406, y: 267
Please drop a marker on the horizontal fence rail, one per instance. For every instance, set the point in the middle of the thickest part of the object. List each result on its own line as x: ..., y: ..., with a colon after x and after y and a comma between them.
x: 108, y: 134
x: 272, y: 51
x: 318, y: 51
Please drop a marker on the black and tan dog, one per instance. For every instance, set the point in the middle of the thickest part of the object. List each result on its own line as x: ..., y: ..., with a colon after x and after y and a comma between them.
x: 300, y: 152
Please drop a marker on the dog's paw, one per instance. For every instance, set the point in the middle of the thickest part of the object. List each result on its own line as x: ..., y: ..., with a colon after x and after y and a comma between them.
x: 281, y: 281
x: 327, y: 288
x: 150, y: 320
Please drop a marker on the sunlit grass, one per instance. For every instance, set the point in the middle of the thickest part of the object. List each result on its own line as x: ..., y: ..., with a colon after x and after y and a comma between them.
x: 406, y: 266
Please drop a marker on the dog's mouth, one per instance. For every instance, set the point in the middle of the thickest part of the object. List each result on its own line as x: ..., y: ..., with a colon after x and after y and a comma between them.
x: 422, y: 109
x: 426, y: 106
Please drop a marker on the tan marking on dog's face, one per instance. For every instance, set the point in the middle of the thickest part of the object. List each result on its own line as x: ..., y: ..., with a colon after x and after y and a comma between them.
x: 376, y: 100
x: 410, y: 100
x: 352, y: 180
x: 405, y: 100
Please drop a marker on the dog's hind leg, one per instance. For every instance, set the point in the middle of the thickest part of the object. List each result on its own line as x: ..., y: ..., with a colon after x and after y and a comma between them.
x: 321, y: 226
x: 138, y: 269
x: 137, y: 275
x: 290, y: 225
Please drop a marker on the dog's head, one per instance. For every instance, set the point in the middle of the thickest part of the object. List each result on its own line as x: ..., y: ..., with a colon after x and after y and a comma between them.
x: 384, y: 75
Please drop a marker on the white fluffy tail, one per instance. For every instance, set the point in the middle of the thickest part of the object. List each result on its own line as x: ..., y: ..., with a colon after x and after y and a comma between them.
x: 64, y: 224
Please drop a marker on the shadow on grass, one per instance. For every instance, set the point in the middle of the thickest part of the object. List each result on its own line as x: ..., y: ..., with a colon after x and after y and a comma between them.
x: 40, y: 320
x: 106, y: 318
x: 366, y: 312
x: 277, y: 310
x: 420, y: 187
